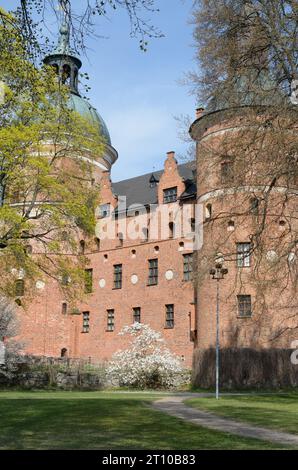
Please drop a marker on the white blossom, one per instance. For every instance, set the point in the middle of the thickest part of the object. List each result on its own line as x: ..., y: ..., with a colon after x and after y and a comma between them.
x: 148, y: 363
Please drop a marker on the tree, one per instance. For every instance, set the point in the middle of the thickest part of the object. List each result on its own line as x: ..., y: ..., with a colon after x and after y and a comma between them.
x: 32, y: 14
x: 247, y: 84
x: 147, y: 363
x: 257, y: 39
x: 48, y: 191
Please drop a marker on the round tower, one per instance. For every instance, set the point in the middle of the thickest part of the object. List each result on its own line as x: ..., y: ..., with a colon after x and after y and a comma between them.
x: 250, y: 221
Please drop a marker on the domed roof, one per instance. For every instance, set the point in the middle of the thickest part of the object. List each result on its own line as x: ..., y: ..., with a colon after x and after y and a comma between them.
x: 84, y: 108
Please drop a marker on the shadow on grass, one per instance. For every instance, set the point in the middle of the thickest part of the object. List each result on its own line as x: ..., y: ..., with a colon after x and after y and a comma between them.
x: 103, y: 422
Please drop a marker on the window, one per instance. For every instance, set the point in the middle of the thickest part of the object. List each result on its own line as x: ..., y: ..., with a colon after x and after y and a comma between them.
x: 153, y: 181
x: 97, y: 244
x: 171, y: 229
x: 136, y: 315
x: 145, y: 234
x: 254, y: 205
x: 104, y: 210
x: 117, y: 276
x: 170, y: 195
x: 208, y: 211
x: 63, y: 352
x: 243, y: 255
x: 153, y: 272
x: 64, y: 308
x: 244, y: 306
x: 110, y: 320
x: 120, y: 239
x: 170, y: 316
x: 19, y: 288
x: 193, y: 225
x: 66, y: 71
x: 187, y: 267
x: 227, y: 172
x: 88, y: 281
x: 231, y: 226
x: 86, y: 319
x: 82, y: 247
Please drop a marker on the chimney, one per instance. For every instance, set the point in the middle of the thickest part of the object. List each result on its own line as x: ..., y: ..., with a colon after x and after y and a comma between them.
x: 199, y: 112
x: 171, y: 154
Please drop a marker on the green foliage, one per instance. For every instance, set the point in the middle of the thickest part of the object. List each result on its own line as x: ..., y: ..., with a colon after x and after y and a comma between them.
x: 47, y: 195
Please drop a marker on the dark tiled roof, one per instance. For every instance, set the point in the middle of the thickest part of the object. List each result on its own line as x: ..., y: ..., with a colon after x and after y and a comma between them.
x: 138, y: 190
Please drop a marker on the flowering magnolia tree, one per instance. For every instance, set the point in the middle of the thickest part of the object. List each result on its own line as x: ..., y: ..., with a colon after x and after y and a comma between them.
x: 147, y: 363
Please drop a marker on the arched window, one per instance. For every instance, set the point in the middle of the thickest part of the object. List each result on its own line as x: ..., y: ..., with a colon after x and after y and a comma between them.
x: 63, y: 352
x: 171, y: 230
x: 97, y: 244
x: 82, y: 247
x: 75, y: 77
x: 66, y: 71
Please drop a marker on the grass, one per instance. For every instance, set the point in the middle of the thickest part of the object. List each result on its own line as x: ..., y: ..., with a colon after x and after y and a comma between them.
x: 100, y: 420
x: 275, y: 411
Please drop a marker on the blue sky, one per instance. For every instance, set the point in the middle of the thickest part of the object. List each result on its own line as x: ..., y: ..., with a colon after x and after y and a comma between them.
x: 137, y: 93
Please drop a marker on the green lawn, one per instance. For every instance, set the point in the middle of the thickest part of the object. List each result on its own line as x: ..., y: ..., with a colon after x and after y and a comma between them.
x: 276, y: 411
x: 101, y: 420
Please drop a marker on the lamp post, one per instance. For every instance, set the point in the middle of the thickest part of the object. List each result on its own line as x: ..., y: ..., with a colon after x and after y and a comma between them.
x: 217, y: 273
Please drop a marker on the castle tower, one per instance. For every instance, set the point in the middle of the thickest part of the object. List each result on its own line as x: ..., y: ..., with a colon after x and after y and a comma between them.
x: 249, y: 221
x: 67, y: 66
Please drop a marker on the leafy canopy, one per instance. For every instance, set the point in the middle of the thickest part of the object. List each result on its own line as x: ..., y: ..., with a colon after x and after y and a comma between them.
x: 48, y: 192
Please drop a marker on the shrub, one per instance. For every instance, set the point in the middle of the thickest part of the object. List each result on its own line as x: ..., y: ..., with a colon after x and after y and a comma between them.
x: 148, y: 363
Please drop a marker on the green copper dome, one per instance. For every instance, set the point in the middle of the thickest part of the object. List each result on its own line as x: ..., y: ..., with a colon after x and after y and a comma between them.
x: 67, y: 66
x: 82, y: 107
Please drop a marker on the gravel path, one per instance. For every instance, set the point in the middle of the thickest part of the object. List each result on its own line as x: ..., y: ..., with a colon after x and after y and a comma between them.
x: 174, y: 406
